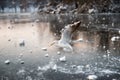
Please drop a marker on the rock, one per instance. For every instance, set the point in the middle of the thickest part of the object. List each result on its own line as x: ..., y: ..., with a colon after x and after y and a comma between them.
x: 62, y: 59
x: 92, y: 77
x: 7, y: 62
x: 44, y: 49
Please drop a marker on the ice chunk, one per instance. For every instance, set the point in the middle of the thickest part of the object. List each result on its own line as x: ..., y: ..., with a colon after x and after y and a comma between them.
x: 119, y: 31
x: 103, y: 18
x: 9, y: 39
x: 22, y: 62
x: 22, y: 43
x: 73, y: 66
x: 21, y: 55
x: 54, y: 67
x: 21, y: 72
x: 108, y: 51
x: 58, y: 52
x: 7, y: 62
x: 90, y: 11
x: 113, y: 24
x: 115, y: 38
x: 92, y: 77
x: 31, y: 51
x: 37, y: 20
x: 104, y: 47
x: 44, y: 49
x: 29, y: 78
x: 62, y: 59
x: 46, y: 55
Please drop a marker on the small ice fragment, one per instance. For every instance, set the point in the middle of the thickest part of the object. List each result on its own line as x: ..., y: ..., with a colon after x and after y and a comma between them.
x: 90, y: 11
x: 104, y: 47
x: 119, y: 31
x: 62, y: 59
x: 115, y: 38
x: 31, y: 51
x: 104, y: 56
x: 73, y: 66
x: 46, y: 55
x: 37, y: 20
x: 44, y: 49
x: 103, y: 18
x: 108, y: 51
x: 22, y: 62
x: 81, y: 39
x: 21, y: 55
x: 55, y: 67
x: 113, y: 24
x: 92, y: 77
x: 39, y: 68
x: 7, y: 62
x: 58, y: 53
x: 9, y: 39
x: 22, y: 43
x: 87, y: 66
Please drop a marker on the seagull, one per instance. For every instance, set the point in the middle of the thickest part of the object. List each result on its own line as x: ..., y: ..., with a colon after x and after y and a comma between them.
x: 66, y: 37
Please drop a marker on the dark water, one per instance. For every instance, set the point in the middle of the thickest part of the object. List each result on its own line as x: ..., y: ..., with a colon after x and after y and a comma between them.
x: 22, y: 40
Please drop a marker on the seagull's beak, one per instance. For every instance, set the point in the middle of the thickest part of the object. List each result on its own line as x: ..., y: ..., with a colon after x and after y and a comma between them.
x: 52, y: 44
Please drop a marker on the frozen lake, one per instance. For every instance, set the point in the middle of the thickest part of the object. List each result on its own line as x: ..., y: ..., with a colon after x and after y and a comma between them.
x: 24, y: 40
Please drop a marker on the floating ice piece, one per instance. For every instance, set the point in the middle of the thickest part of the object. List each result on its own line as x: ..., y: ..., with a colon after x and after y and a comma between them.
x: 62, y: 59
x: 37, y: 20
x: 58, y: 52
x: 114, y: 38
x: 113, y: 24
x: 91, y: 11
x: 107, y: 71
x: 29, y: 78
x: 22, y: 62
x: 119, y: 31
x: 103, y: 18
x: 31, y: 51
x: 73, y: 66
x: 21, y: 55
x: 44, y: 49
x: 46, y: 55
x: 92, y: 77
x: 104, y: 47
x: 7, y: 62
x: 54, y: 67
x: 9, y: 39
x: 21, y: 72
x: 104, y: 56
x: 22, y: 43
